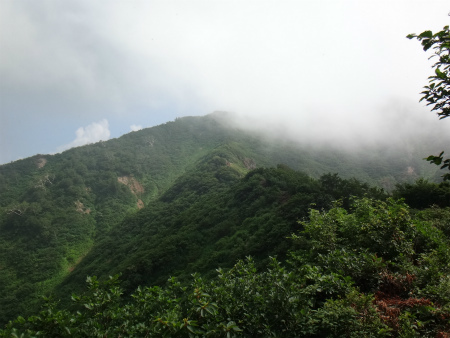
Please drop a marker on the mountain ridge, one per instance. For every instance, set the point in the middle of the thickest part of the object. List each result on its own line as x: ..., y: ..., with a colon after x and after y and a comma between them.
x: 55, y: 208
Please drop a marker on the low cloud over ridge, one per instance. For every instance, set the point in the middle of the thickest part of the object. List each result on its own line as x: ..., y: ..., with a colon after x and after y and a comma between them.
x: 319, y: 71
x: 135, y: 127
x: 94, y: 132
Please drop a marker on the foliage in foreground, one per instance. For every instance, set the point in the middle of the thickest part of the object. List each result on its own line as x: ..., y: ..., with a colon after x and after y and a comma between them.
x: 437, y: 93
x: 372, y: 272
x: 423, y: 194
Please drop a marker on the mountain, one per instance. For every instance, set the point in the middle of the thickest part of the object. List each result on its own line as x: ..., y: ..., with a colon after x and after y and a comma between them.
x: 184, y: 196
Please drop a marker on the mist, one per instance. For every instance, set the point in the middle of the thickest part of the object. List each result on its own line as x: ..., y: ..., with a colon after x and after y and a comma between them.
x: 395, y: 124
x: 317, y: 72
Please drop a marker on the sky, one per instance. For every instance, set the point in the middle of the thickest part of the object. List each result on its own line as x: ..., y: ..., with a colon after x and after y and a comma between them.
x: 75, y: 72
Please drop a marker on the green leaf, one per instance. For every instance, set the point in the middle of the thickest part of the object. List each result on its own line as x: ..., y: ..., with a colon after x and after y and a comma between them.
x: 439, y: 73
x: 426, y: 34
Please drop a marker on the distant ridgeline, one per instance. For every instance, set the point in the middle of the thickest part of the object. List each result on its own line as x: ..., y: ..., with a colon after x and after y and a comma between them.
x: 183, y: 197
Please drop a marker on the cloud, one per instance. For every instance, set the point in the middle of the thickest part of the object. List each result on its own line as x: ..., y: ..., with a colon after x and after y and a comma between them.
x: 135, y: 127
x: 314, y: 68
x: 96, y: 131
x: 67, y: 54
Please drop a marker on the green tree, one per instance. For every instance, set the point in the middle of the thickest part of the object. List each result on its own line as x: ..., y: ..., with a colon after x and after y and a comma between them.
x: 437, y: 93
x: 372, y: 271
x: 424, y: 194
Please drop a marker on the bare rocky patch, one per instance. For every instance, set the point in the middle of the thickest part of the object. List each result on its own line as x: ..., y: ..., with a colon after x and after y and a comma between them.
x: 132, y: 183
x: 140, y: 204
x: 136, y: 188
x: 79, y: 207
x: 249, y: 163
x: 41, y: 162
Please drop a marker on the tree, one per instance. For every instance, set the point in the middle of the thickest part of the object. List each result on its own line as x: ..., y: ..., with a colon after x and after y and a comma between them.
x: 423, y: 194
x: 437, y: 93
x: 376, y: 270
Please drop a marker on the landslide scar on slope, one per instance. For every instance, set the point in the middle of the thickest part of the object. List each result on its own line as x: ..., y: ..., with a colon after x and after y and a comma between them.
x: 135, y: 187
x: 41, y: 162
x: 81, y: 208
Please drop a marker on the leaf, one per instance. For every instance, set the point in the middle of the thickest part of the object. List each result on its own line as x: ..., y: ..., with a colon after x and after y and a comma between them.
x: 439, y: 73
x: 426, y: 34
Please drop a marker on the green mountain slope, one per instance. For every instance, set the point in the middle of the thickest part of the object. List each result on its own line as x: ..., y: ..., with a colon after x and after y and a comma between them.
x: 377, y: 271
x: 61, y: 214
x: 212, y: 216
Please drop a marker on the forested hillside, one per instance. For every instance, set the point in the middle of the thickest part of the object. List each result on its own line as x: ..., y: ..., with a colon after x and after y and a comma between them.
x: 212, y: 217
x: 377, y: 271
x: 187, y: 196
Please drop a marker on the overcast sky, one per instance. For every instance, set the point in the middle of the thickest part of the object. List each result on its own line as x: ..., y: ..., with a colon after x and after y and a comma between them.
x: 77, y: 71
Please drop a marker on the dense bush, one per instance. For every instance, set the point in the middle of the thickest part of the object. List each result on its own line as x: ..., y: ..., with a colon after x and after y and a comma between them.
x: 424, y: 194
x: 341, y: 282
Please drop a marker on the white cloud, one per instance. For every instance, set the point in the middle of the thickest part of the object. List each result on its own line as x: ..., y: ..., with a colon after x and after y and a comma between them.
x: 135, y: 127
x: 96, y: 131
x: 315, y: 68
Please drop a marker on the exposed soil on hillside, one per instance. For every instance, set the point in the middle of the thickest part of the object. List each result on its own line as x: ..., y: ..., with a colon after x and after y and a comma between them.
x: 136, y: 188
x: 81, y: 208
x: 249, y: 163
x: 140, y: 204
x: 41, y: 162
x: 132, y: 183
